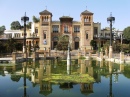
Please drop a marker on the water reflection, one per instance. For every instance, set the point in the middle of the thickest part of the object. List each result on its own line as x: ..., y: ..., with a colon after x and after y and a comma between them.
x: 44, y: 69
x: 25, y: 69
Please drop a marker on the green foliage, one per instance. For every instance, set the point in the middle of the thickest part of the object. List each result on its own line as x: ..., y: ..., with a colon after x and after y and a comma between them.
x: 28, y: 25
x: 15, y: 25
x: 9, y: 46
x: 35, y: 20
x: 63, y: 43
x: 2, y: 28
x: 126, y: 33
x: 82, y: 58
x: 93, y: 43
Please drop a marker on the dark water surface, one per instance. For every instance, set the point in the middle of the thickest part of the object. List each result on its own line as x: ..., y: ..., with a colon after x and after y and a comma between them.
x: 26, y: 79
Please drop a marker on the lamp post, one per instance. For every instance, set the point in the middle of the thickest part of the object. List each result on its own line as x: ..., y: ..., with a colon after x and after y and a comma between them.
x: 24, y: 19
x: 110, y: 19
x: 99, y: 44
x: 121, y: 41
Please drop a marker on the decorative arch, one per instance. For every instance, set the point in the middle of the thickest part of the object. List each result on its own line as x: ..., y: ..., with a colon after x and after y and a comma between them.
x: 86, y: 34
x: 55, y: 38
x: 76, y: 39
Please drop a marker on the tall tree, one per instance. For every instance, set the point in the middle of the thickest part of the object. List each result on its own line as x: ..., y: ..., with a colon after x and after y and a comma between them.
x: 126, y: 33
x: 35, y: 20
x: 15, y: 25
x: 29, y: 25
x: 2, y: 28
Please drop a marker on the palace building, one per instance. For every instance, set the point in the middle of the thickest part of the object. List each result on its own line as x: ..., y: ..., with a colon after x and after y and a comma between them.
x: 79, y: 33
x: 47, y: 32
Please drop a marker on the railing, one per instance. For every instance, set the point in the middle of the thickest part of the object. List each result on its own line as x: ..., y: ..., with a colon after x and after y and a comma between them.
x: 8, y: 55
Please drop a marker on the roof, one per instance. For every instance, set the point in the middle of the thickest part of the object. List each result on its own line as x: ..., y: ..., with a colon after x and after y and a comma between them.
x: 66, y: 18
x: 86, y: 12
x: 45, y: 12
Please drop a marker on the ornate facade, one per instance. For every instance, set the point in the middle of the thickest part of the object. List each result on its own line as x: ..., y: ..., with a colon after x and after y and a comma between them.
x: 79, y: 33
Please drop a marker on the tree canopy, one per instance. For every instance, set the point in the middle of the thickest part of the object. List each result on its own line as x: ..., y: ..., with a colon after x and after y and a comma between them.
x: 15, y: 25
x: 29, y: 25
x: 2, y: 28
x: 35, y: 20
x: 126, y: 33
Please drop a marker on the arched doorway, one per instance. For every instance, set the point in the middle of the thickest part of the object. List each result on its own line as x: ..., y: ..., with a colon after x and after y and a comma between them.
x: 55, y: 42
x: 76, y: 43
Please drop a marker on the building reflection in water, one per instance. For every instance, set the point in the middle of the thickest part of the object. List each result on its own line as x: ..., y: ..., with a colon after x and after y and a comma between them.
x: 114, y: 70
x: 38, y: 73
x: 43, y: 68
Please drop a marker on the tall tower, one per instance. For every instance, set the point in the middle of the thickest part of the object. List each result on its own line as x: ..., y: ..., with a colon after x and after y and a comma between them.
x: 45, y: 30
x: 86, y: 29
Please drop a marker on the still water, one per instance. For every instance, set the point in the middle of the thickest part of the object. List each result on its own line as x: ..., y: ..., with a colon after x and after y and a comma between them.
x: 26, y: 79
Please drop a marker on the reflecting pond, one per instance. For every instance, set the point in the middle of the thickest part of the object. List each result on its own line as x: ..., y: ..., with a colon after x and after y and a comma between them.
x: 52, y: 78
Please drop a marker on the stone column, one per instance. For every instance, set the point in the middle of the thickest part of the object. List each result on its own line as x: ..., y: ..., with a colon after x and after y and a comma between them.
x: 34, y: 56
x: 49, y: 52
x: 106, y: 52
x: 121, y: 56
x: 13, y: 57
x: 79, y: 54
x: 44, y: 54
x: 25, y: 55
x: 90, y: 54
x: 110, y: 51
x: 101, y: 55
x: 85, y: 51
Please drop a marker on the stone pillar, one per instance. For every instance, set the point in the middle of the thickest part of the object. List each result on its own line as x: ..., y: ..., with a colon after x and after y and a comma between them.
x: 13, y: 57
x: 79, y: 54
x: 85, y: 51
x: 90, y: 54
x: 49, y: 52
x: 106, y: 52
x: 121, y: 56
x: 110, y: 51
x: 34, y: 56
x: 101, y: 55
x: 44, y: 54
x: 25, y: 55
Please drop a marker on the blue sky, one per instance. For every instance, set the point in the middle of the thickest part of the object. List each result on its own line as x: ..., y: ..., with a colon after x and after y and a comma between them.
x: 13, y: 10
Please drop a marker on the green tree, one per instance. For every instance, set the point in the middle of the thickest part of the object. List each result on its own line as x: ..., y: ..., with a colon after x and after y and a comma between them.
x: 15, y: 25
x: 93, y: 44
x: 63, y: 43
x: 10, y: 45
x: 35, y: 20
x: 2, y: 29
x: 29, y: 25
x: 126, y: 34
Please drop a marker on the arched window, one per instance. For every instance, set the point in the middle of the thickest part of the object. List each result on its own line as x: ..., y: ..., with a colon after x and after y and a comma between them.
x: 55, y: 38
x: 65, y: 28
x: 85, y: 20
x: 86, y: 35
x: 89, y: 18
x: 44, y: 35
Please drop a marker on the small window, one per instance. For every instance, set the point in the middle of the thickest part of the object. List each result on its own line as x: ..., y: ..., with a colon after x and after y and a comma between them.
x: 86, y: 35
x: 66, y: 28
x: 36, y: 30
x: 44, y: 36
